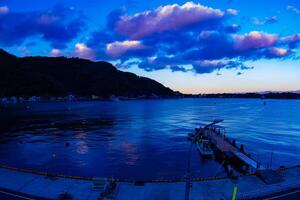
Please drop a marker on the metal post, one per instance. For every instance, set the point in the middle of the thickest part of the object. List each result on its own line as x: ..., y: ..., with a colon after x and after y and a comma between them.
x: 234, y: 192
x: 188, y: 172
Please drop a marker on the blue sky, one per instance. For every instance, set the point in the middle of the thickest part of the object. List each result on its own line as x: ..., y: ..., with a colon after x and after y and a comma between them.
x: 195, y: 47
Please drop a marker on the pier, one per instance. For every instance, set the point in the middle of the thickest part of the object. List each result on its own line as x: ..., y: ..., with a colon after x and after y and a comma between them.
x: 216, y: 135
x: 233, y: 155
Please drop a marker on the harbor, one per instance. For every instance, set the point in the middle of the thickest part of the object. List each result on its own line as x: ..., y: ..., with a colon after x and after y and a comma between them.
x: 246, y: 178
x: 149, y: 100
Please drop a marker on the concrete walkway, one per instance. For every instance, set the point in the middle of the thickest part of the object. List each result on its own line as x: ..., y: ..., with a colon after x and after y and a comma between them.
x: 249, y: 187
x: 44, y: 187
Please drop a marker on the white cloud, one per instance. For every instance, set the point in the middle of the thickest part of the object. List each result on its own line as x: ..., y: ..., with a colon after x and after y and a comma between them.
x: 165, y: 18
x: 82, y: 51
x: 293, y: 9
x: 4, y: 10
x: 232, y: 11
x: 55, y: 52
x: 119, y: 48
x: 254, y: 40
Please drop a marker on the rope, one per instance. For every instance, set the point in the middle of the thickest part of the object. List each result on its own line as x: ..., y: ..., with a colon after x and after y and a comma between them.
x: 196, y: 179
x: 44, y: 173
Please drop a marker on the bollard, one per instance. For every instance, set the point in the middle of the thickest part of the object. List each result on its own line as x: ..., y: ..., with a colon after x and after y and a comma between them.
x: 234, y: 192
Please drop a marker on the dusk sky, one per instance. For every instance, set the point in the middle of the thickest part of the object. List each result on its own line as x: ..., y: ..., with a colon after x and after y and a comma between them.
x: 191, y: 46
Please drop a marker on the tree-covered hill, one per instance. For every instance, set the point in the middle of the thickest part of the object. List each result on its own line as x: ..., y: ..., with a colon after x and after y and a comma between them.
x: 59, y: 76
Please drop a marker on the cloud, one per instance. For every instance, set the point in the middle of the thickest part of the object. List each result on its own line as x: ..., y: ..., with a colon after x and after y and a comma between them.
x: 267, y: 20
x: 275, y: 52
x: 167, y: 18
x: 4, y: 10
x: 232, y: 11
x: 177, y: 68
x: 82, y: 51
x: 175, y: 36
x: 293, y: 9
x: 291, y: 40
x: 254, y: 40
x: 116, y: 49
x: 208, y: 66
x: 58, y: 26
x: 158, y: 63
x: 55, y: 53
x: 234, y: 28
x: 178, y: 63
x: 24, y: 51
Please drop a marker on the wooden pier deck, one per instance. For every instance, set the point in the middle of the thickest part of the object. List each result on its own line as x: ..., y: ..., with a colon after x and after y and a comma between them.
x: 218, y: 138
x: 225, y: 146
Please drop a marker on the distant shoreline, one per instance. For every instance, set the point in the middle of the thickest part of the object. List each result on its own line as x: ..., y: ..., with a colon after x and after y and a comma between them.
x: 71, y: 98
x: 271, y: 95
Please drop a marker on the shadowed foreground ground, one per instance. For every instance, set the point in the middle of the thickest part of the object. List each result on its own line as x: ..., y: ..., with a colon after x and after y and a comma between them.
x: 249, y: 187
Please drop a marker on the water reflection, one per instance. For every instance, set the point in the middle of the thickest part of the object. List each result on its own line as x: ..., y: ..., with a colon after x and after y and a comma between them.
x: 131, y: 154
x: 81, y: 144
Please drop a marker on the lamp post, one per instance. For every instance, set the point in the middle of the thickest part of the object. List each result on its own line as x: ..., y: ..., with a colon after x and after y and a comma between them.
x: 188, y: 170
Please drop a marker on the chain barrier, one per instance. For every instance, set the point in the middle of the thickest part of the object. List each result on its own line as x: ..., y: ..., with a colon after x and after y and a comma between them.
x: 196, y: 179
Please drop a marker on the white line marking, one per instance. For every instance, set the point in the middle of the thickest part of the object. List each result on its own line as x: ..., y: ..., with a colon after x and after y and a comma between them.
x: 15, y: 195
x: 283, y: 195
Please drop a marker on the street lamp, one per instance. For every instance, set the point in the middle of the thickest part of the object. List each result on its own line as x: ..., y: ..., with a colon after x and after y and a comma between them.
x: 188, y: 170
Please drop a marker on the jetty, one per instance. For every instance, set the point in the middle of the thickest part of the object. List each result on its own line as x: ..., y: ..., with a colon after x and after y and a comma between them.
x: 216, y: 134
x: 233, y: 156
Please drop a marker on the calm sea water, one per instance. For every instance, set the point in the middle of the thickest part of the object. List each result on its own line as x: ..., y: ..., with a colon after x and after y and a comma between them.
x: 143, y: 139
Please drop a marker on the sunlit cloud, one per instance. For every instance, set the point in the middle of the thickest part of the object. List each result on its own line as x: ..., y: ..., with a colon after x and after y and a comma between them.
x: 254, y: 40
x: 165, y: 18
x: 278, y: 52
x: 232, y: 11
x: 55, y: 53
x: 118, y: 48
x: 4, y: 10
x: 82, y: 51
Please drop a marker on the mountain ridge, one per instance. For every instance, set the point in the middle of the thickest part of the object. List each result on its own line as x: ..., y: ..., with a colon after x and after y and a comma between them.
x: 60, y: 76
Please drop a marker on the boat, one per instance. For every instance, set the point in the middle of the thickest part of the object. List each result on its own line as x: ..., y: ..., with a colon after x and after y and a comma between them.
x: 204, y: 148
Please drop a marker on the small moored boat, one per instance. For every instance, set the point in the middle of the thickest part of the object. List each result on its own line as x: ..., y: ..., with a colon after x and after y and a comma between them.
x: 204, y: 148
